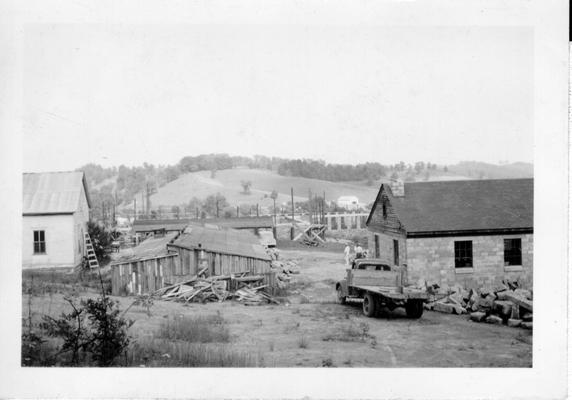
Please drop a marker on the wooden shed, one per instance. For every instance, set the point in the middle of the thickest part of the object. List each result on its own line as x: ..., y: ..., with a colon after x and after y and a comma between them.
x: 174, y: 258
x: 223, y: 251
x: 144, y: 268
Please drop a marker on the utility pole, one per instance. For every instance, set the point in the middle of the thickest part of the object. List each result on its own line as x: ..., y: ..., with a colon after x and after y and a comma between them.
x: 237, y: 212
x: 257, y: 213
x: 216, y: 207
x: 274, y: 199
x: 134, y: 209
x: 292, y: 227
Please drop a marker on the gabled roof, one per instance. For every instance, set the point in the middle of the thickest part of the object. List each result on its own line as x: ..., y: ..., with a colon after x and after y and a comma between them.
x: 457, y: 206
x: 153, y: 247
x: 225, y: 241
x: 53, y: 192
x: 149, y: 225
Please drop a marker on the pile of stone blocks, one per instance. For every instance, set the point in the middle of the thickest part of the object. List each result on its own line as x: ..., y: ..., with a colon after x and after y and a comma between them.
x: 504, y: 304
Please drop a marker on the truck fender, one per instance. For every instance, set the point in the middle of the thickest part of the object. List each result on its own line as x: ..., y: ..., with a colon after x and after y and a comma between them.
x: 344, y: 286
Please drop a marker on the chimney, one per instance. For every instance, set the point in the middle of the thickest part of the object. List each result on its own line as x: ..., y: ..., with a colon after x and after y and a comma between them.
x: 397, y: 188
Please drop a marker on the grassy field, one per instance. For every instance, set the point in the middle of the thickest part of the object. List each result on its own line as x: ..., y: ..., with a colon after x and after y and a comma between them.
x: 228, y: 183
x: 308, y: 328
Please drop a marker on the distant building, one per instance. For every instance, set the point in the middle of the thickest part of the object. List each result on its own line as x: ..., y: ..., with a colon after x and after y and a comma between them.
x: 470, y: 232
x: 350, y: 203
x: 55, y: 211
x: 253, y: 224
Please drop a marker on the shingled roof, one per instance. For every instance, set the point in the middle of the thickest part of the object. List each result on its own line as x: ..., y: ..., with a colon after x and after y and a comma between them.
x: 52, y: 192
x: 461, y: 206
x: 225, y: 241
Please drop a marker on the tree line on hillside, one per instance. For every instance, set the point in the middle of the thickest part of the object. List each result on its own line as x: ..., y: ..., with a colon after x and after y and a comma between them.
x: 123, y: 184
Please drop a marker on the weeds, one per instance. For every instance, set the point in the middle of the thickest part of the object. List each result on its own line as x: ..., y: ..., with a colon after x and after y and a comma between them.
x: 350, y: 333
x: 163, y: 353
x: 303, y: 342
x: 200, y: 329
x: 328, y: 363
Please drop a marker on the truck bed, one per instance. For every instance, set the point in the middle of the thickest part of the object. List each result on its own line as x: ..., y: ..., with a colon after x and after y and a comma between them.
x: 394, y: 292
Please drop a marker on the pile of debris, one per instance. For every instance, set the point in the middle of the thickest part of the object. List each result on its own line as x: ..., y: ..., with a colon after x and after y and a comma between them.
x: 241, y: 287
x: 312, y: 235
x: 504, y: 304
x: 283, y: 271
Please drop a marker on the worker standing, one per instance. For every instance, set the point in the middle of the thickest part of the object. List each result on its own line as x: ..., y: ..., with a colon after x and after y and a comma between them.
x: 347, y: 251
x: 359, y: 251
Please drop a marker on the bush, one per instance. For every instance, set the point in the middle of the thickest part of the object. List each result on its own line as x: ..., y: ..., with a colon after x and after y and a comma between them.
x: 93, y: 331
x: 101, y: 239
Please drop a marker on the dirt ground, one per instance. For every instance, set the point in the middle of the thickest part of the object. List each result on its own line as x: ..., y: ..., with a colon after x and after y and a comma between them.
x: 311, y: 330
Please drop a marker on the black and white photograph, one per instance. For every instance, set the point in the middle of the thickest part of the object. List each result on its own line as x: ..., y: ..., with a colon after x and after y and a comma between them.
x: 286, y: 192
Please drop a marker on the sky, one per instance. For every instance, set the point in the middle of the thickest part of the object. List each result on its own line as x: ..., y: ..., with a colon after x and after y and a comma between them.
x: 131, y: 93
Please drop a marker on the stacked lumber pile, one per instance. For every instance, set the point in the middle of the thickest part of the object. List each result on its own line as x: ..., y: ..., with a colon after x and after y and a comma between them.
x: 311, y: 235
x: 283, y: 271
x: 242, y: 287
x: 504, y: 304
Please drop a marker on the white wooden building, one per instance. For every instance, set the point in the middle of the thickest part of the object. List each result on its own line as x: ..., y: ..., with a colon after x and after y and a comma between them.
x: 55, y: 212
x: 350, y: 203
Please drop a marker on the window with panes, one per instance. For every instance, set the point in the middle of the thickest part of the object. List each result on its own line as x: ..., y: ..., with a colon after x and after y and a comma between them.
x: 464, y: 254
x: 39, y: 242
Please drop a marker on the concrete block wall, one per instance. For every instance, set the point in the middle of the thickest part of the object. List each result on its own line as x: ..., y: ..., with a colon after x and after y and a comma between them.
x: 433, y: 259
x: 386, y: 246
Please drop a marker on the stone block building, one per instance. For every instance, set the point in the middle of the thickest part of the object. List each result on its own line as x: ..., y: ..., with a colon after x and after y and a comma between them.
x: 472, y: 233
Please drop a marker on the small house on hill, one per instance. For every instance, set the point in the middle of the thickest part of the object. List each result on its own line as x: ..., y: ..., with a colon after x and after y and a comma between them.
x: 470, y: 232
x: 350, y: 203
x: 144, y: 268
x: 55, y: 212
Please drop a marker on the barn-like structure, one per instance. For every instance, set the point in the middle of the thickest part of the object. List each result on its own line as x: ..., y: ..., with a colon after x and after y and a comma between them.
x: 222, y: 251
x: 176, y: 257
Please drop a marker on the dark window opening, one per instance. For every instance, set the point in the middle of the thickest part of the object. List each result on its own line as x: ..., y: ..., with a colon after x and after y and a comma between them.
x: 384, y: 210
x: 376, y: 242
x: 512, y: 252
x: 464, y: 254
x: 39, y: 242
x: 395, y: 252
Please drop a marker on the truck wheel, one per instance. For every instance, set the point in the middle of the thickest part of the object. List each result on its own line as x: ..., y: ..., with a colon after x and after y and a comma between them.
x: 369, y: 305
x: 414, y: 308
x: 340, y: 295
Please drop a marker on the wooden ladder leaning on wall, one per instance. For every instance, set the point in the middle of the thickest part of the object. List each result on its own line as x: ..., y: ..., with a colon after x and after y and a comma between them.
x: 91, y: 257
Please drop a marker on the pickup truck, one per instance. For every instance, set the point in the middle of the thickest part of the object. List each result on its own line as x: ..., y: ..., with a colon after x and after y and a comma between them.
x: 380, y: 285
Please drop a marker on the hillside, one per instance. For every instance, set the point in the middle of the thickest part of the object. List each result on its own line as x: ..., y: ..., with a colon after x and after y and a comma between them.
x: 228, y: 183
x: 481, y: 170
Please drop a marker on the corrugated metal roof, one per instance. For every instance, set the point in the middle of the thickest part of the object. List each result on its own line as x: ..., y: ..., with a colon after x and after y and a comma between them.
x: 226, y: 241
x: 152, y: 247
x: 494, y: 204
x: 52, y: 192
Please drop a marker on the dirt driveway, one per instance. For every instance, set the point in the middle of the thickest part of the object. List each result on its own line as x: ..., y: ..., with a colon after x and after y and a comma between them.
x: 311, y: 330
